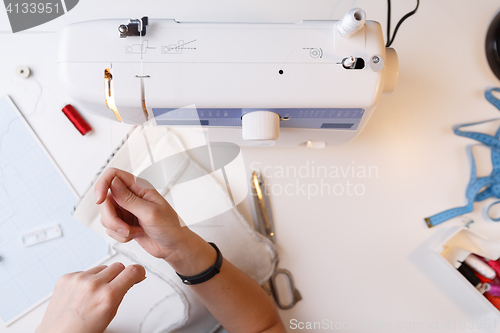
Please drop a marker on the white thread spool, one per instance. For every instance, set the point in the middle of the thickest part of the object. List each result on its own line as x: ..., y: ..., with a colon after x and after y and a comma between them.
x: 351, y: 22
x: 23, y: 71
x: 480, y: 266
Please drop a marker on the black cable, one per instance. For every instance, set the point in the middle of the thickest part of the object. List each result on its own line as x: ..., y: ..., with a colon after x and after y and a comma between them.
x: 389, y: 39
x: 388, y: 23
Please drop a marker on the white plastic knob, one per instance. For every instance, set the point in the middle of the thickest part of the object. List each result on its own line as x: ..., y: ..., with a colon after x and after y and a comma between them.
x: 315, y: 144
x: 260, y: 125
x: 349, y: 61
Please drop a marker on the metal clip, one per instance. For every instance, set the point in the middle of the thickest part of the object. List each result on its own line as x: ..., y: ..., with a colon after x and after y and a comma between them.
x: 135, y: 27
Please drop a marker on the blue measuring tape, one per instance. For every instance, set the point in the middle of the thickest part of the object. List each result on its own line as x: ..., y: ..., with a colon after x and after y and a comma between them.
x: 491, y: 184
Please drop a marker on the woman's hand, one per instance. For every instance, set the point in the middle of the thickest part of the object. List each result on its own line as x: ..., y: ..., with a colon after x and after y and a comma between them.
x: 86, y: 302
x: 129, y: 211
x: 132, y: 211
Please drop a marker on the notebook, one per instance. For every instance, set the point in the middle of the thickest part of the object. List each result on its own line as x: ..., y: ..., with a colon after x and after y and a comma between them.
x: 34, y: 195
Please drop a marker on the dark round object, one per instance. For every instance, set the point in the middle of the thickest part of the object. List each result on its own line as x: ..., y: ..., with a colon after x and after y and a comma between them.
x: 280, y: 71
x: 493, y: 45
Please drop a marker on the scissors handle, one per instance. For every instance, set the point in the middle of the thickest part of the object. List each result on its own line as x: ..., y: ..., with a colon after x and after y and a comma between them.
x: 294, y: 293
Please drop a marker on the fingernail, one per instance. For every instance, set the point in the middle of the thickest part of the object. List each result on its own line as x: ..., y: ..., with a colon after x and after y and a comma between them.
x: 122, y: 232
x: 118, y: 185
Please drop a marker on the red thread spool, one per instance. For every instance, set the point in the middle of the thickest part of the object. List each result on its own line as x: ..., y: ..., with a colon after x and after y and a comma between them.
x: 495, y: 265
x: 482, y: 278
x: 81, y: 125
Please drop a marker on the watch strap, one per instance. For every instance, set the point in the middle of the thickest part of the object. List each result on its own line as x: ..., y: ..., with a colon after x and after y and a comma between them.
x: 206, y: 274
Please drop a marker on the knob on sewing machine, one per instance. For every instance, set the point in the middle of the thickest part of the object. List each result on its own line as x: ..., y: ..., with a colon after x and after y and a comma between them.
x: 260, y: 126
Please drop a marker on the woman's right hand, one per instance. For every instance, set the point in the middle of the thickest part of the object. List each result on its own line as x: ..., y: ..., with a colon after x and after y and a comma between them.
x: 130, y: 211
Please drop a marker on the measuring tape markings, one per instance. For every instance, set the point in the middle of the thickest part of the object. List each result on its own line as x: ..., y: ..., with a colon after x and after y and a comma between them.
x: 492, y: 182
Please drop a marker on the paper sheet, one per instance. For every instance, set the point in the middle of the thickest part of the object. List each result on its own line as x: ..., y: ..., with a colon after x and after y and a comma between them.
x: 33, y: 195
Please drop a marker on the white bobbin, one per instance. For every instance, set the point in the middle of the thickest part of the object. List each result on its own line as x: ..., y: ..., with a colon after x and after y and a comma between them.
x: 23, y: 71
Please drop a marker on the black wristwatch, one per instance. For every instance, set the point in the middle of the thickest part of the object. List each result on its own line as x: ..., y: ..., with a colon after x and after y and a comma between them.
x: 207, y: 274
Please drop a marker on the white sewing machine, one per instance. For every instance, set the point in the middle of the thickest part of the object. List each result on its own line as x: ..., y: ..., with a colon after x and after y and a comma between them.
x: 316, y: 82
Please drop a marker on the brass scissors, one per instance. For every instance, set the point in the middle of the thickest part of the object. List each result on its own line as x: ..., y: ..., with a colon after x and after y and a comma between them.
x: 266, y: 227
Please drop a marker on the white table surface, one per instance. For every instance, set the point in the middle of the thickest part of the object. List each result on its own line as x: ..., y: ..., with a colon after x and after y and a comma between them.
x: 356, y: 259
